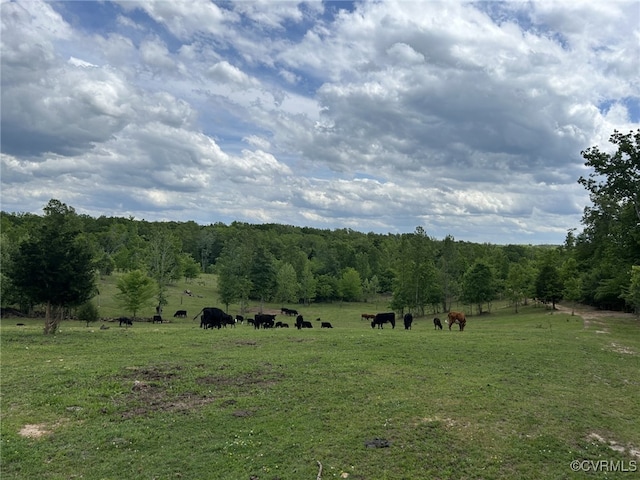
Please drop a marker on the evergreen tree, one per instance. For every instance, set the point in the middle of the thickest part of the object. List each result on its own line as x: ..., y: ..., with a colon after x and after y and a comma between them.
x: 54, y: 266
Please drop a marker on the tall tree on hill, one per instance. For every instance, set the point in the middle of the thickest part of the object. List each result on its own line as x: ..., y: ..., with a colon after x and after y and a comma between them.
x: 287, y: 287
x: 549, y: 286
x: 163, y: 262
x: 478, y: 285
x: 54, y: 266
x: 263, y: 275
x: 233, y: 268
x: 616, y: 177
x: 610, y: 242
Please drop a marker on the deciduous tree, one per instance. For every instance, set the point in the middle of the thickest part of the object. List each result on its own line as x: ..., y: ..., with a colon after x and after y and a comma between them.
x: 136, y: 291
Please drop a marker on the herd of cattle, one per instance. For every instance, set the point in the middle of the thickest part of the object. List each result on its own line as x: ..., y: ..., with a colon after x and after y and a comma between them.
x: 213, y: 317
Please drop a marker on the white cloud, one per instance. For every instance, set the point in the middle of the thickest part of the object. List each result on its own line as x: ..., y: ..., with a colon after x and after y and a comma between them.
x: 467, y: 118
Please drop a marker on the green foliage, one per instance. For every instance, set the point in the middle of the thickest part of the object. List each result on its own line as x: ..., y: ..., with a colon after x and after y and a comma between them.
x: 519, y: 282
x: 308, y: 284
x: 549, y: 285
x: 233, y: 268
x: 188, y: 266
x: 350, y: 285
x: 287, y: 287
x: 478, y: 285
x: 616, y: 177
x: 54, y: 266
x: 163, y: 261
x: 262, y: 274
x: 571, y: 280
x: 632, y: 294
x: 88, y: 312
x: 136, y: 291
x: 610, y: 243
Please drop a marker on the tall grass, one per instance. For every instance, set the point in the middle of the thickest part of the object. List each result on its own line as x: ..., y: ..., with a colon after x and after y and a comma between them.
x: 513, y: 396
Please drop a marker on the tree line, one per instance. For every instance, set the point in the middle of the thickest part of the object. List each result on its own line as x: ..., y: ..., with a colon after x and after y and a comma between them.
x: 53, y: 259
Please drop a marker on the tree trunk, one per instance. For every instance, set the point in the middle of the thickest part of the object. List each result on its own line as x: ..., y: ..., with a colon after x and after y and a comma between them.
x: 51, y: 322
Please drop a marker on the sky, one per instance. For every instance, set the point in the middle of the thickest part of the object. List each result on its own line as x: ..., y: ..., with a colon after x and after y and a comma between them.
x: 464, y: 118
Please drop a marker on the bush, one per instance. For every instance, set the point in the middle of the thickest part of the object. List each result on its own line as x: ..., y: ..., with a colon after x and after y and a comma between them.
x: 88, y: 312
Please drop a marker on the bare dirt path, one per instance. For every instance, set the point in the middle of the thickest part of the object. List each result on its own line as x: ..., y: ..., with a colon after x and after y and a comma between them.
x: 592, y: 317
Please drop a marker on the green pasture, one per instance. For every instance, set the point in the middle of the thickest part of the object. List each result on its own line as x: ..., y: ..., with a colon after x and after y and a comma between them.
x: 514, y: 396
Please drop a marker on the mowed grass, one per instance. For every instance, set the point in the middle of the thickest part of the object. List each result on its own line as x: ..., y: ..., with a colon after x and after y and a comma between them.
x: 513, y: 396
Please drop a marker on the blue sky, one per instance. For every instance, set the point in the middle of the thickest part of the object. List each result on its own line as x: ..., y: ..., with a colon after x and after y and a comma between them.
x: 464, y: 118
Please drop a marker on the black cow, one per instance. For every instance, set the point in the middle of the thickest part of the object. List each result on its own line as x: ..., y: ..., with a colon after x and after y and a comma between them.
x: 157, y: 319
x: 288, y: 311
x: 326, y: 325
x: 180, y: 314
x: 306, y: 324
x: 239, y: 319
x: 125, y: 320
x: 437, y: 324
x: 264, y: 320
x: 299, y: 322
x: 408, y: 320
x: 212, y: 317
x: 381, y: 318
x: 228, y: 320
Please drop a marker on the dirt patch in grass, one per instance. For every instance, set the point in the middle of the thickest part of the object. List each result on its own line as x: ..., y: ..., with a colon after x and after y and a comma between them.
x: 39, y: 430
x: 616, y: 347
x: 151, y: 389
x: 35, y: 430
x: 594, y: 317
x: 616, y: 446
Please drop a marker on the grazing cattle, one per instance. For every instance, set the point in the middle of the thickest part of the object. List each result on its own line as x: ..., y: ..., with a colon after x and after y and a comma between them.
x: 212, y: 317
x: 157, y: 319
x: 381, y: 318
x: 306, y: 324
x: 285, y: 325
x: 367, y: 316
x: 437, y: 324
x: 299, y: 322
x: 457, y: 317
x: 228, y: 320
x: 239, y: 319
x: 326, y: 325
x: 180, y: 314
x: 263, y: 320
x: 125, y: 320
x: 288, y: 311
x: 408, y: 320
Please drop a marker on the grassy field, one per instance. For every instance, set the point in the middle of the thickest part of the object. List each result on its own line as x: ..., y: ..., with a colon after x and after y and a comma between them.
x: 514, y: 396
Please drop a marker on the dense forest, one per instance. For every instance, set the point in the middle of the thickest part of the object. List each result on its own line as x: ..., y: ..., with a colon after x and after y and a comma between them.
x: 284, y: 263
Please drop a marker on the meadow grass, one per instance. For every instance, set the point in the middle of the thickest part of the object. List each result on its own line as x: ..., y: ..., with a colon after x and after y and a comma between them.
x: 513, y: 396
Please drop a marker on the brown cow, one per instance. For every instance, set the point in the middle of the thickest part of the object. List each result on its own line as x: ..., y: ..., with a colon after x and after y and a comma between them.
x: 457, y: 317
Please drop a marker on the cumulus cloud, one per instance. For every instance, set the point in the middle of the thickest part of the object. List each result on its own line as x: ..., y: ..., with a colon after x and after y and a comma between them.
x: 465, y: 118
